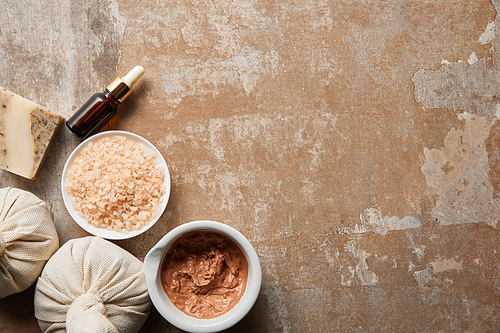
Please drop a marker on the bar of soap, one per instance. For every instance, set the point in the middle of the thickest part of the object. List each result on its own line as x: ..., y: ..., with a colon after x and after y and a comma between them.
x: 26, y: 130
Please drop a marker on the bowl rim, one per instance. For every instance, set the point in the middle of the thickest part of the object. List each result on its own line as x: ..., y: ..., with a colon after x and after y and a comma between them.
x: 101, y: 232
x: 152, y: 268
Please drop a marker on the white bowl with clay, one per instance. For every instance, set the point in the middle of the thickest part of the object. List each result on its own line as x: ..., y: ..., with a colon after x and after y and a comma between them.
x: 153, y: 270
x: 149, y: 148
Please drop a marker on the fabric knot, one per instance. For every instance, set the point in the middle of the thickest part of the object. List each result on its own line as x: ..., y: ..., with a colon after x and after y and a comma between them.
x: 87, y: 313
x: 86, y: 302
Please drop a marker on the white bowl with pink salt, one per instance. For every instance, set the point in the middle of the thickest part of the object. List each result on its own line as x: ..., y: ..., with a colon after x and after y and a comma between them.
x: 115, y: 185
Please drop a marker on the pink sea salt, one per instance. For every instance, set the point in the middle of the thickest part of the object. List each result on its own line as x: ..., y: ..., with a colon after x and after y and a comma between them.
x: 117, y: 184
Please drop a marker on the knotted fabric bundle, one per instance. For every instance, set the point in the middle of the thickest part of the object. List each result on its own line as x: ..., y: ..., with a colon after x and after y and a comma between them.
x: 28, y: 238
x: 92, y: 285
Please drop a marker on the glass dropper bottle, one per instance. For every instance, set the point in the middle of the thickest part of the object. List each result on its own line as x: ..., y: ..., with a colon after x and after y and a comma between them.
x: 101, y: 107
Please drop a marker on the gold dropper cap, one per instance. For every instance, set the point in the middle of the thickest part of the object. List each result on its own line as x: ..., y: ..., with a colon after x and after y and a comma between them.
x: 121, y: 88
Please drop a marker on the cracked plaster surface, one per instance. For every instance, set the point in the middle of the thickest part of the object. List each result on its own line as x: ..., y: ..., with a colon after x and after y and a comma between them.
x: 354, y: 143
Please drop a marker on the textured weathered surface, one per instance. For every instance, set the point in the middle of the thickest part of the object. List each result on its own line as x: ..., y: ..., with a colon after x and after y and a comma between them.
x: 355, y: 143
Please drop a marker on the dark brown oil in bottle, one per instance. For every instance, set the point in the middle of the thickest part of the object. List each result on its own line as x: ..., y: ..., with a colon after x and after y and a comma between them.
x: 93, y: 115
x: 101, y: 107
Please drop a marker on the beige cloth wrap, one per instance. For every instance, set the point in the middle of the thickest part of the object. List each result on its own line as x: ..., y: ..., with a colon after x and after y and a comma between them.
x: 92, y: 285
x: 28, y: 238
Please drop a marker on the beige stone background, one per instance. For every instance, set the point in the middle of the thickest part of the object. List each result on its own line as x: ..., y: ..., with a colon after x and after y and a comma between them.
x: 355, y: 143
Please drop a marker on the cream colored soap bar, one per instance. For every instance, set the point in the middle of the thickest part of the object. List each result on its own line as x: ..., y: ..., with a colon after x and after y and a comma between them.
x: 26, y: 129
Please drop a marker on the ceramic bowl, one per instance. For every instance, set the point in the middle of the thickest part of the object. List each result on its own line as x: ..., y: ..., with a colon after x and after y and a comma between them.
x: 101, y: 232
x: 152, y: 270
